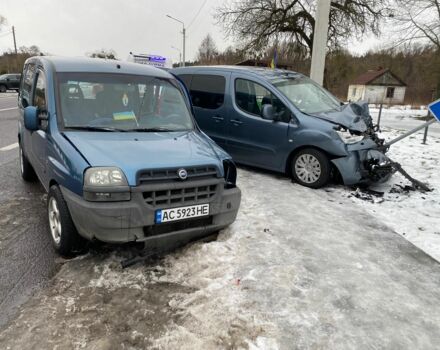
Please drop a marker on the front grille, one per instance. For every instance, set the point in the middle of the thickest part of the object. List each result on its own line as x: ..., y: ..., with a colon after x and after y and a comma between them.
x: 170, y: 174
x: 161, y: 229
x: 184, y: 195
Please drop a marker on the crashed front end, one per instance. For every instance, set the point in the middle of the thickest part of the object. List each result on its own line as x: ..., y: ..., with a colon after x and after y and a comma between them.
x: 366, y: 159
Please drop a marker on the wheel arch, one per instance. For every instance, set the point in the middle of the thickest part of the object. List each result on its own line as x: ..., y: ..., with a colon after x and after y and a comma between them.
x: 288, y: 168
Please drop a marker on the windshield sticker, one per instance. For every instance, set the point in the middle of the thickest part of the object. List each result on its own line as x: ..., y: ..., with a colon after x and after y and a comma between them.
x: 129, y: 115
x: 125, y: 100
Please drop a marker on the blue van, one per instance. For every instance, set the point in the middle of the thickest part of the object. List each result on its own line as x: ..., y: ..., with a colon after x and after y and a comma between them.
x: 282, y: 121
x: 116, y: 147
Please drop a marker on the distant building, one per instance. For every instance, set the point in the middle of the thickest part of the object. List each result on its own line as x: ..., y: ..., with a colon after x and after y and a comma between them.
x: 377, y: 86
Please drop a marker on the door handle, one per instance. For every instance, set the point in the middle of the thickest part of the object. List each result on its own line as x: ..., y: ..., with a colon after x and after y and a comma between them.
x: 217, y: 118
x: 236, y: 122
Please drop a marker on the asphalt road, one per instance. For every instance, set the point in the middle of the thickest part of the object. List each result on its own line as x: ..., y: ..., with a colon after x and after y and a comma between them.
x: 27, y: 259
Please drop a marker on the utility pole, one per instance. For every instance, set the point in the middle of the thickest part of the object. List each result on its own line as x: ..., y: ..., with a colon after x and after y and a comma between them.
x: 15, y: 43
x: 184, y: 34
x: 15, y: 48
x: 180, y: 55
x: 320, y: 41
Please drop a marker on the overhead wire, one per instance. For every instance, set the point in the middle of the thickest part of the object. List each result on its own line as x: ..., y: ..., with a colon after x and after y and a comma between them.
x: 198, y: 13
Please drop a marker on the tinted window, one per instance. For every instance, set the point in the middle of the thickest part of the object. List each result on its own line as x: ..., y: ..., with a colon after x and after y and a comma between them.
x: 251, y: 96
x: 208, y: 91
x: 186, y: 78
x: 40, y: 92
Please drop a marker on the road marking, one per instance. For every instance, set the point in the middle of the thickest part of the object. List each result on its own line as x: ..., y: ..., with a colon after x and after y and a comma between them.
x: 8, y: 109
x: 8, y: 148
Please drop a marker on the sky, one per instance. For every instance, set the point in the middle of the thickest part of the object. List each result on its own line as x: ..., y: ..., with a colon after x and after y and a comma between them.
x: 76, y: 27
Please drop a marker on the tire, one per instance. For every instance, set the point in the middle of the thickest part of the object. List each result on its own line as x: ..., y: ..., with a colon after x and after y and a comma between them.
x: 311, y: 168
x: 3, y: 88
x: 65, y: 238
x: 26, y: 170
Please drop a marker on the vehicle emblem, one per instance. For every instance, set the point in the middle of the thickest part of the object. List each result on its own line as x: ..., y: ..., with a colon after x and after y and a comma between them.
x: 182, y: 173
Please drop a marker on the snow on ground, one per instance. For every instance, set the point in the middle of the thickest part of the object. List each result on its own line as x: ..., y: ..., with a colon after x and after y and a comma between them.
x: 298, y: 269
x: 413, y: 214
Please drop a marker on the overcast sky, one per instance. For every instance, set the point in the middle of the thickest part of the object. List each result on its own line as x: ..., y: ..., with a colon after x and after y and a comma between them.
x: 75, y: 27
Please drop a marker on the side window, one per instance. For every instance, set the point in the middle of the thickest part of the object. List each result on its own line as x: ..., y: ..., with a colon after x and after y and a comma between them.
x: 186, y: 78
x: 251, y: 96
x: 26, y: 84
x: 208, y: 91
x: 40, y: 92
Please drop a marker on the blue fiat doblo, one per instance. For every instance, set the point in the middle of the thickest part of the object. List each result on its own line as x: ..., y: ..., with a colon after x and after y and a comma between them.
x: 116, y: 147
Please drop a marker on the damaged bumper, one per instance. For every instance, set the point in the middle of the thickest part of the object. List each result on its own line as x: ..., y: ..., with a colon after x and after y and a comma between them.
x: 364, y: 164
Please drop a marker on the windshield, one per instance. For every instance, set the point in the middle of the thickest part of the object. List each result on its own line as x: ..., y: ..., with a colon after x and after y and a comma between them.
x: 120, y: 102
x: 306, y: 95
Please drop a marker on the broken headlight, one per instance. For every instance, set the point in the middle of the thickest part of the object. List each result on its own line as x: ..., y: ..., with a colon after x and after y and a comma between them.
x: 349, y: 138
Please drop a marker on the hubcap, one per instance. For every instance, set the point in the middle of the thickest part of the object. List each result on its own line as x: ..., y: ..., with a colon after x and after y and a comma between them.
x: 308, y: 168
x: 54, y: 220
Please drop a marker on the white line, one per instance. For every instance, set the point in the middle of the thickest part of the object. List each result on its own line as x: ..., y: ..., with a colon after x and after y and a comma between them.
x: 8, y: 109
x: 8, y: 148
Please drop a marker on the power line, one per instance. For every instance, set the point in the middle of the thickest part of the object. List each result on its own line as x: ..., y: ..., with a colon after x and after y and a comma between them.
x: 197, y: 14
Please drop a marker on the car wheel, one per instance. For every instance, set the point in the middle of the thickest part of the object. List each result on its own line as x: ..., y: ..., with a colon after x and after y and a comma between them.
x: 65, y: 237
x: 311, y: 168
x: 26, y: 170
x: 2, y: 88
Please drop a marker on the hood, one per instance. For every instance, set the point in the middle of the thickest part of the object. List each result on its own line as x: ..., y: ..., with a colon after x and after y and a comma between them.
x: 132, y: 151
x: 353, y: 116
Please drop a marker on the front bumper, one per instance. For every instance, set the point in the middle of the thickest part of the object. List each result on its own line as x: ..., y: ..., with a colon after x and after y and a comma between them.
x: 134, y: 220
x: 364, y: 166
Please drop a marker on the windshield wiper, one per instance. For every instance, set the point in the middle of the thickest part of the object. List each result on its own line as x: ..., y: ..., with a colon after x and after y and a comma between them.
x: 157, y: 129
x: 94, y: 128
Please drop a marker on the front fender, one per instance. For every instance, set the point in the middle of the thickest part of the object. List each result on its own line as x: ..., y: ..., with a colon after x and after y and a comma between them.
x: 327, y: 142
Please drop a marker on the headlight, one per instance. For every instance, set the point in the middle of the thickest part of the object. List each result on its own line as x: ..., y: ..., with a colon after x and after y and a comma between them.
x: 106, y: 184
x: 348, y: 138
x: 104, y: 176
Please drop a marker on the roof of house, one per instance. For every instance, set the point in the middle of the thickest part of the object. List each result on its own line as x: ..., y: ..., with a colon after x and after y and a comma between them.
x: 368, y: 77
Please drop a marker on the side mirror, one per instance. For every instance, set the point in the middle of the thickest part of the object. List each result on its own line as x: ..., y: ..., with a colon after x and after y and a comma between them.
x: 268, y: 112
x: 31, y: 118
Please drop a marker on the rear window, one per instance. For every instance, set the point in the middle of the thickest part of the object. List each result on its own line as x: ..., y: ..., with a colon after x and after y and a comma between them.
x: 207, y: 91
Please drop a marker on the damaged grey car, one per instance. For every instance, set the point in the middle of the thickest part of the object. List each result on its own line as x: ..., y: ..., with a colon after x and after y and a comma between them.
x: 283, y: 121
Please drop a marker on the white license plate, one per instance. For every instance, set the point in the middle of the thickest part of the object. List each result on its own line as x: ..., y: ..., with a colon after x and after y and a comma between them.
x: 181, y: 213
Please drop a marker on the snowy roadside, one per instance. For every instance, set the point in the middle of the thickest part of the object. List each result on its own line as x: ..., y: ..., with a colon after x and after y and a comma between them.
x: 413, y: 214
x: 298, y: 269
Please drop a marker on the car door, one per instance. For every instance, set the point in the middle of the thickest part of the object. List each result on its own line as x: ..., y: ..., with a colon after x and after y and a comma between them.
x: 39, y: 137
x: 252, y: 139
x: 24, y: 100
x: 208, y: 96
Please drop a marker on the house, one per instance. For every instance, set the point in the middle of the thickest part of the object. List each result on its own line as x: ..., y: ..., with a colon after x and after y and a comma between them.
x: 377, y: 86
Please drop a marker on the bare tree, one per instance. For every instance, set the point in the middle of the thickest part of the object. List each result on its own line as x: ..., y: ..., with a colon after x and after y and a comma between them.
x: 419, y: 20
x: 257, y: 24
x: 207, y: 50
x: 107, y: 54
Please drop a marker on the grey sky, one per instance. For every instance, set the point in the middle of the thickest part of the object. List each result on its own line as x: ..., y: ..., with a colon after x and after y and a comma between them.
x: 74, y: 27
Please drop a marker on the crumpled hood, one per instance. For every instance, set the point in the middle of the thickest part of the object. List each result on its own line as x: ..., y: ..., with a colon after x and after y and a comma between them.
x: 353, y: 116
x: 132, y: 151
